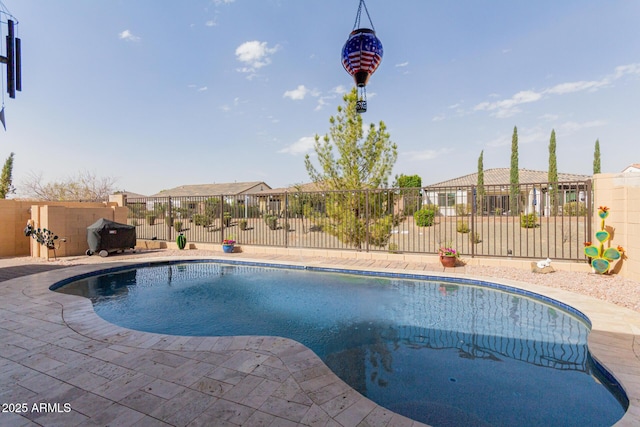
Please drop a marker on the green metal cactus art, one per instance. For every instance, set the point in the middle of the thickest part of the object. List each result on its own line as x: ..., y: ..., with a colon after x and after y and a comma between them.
x: 181, y: 241
x: 602, y: 258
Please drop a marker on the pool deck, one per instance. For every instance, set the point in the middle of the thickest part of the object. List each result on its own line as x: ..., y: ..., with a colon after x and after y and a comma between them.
x: 54, y: 349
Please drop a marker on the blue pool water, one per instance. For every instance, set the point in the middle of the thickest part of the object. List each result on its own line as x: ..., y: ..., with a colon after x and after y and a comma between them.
x: 447, y: 354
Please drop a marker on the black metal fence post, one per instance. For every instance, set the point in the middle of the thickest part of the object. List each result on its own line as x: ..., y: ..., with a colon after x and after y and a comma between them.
x: 169, y: 220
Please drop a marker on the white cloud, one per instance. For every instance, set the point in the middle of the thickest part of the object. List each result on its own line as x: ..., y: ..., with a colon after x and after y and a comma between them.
x: 219, y: 2
x: 572, y: 127
x: 426, y: 154
x: 297, y: 94
x: 211, y: 23
x: 301, y: 146
x: 508, y: 107
x: 626, y: 69
x: 522, y: 97
x: 571, y: 87
x: 202, y: 89
x: 549, y: 117
x: 535, y: 135
x: 255, y: 55
x: 339, y: 90
x: 322, y: 102
x: 128, y: 36
x: 402, y: 64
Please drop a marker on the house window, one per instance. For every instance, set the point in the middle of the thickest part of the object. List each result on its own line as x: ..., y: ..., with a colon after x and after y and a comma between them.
x: 446, y: 199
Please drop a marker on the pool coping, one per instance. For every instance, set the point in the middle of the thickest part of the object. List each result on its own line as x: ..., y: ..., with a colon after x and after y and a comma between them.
x: 246, y: 380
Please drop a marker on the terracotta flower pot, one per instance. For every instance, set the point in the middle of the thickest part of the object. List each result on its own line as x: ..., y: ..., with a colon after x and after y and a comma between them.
x: 448, y: 261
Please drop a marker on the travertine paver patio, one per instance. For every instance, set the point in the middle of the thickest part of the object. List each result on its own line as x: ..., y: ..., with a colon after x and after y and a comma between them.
x: 54, y: 349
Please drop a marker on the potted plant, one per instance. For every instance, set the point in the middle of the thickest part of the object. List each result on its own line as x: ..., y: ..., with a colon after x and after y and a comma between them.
x: 448, y: 256
x: 228, y: 245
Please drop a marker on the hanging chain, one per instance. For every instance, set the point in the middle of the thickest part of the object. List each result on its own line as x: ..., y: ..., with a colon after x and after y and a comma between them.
x: 357, y: 23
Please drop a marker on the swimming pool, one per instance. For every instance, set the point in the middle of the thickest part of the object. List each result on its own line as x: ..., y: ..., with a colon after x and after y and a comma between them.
x: 444, y: 353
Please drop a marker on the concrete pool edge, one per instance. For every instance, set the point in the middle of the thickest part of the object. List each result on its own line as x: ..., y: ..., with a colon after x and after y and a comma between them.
x: 612, y: 340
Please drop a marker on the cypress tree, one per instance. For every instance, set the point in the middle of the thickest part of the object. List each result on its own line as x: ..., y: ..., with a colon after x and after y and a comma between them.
x: 514, y: 180
x: 480, y: 192
x: 553, y: 174
x: 596, y: 158
x: 6, y: 180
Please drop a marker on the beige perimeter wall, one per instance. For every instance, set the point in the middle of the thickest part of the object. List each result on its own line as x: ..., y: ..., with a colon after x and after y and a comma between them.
x: 68, y: 220
x: 621, y: 194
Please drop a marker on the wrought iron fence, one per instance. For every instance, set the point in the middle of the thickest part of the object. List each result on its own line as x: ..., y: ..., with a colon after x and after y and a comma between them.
x: 548, y: 220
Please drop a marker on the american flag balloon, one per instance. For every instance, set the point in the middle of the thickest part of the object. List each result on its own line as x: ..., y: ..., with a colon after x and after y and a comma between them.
x: 361, y: 55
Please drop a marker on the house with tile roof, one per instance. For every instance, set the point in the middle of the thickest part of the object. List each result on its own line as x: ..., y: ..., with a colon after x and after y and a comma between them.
x: 633, y: 168
x: 222, y: 189
x: 273, y: 200
x: 461, y: 194
x: 240, y: 195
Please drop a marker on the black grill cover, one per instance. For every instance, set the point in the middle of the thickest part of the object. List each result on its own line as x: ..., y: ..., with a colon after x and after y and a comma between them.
x: 108, y: 235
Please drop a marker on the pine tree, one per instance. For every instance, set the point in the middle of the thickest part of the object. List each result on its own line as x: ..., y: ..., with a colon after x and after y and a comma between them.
x: 480, y: 191
x: 514, y: 180
x: 6, y: 180
x: 596, y: 158
x: 363, y: 163
x: 553, y: 174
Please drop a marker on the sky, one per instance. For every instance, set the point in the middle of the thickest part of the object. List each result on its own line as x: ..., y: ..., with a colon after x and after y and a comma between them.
x: 158, y: 94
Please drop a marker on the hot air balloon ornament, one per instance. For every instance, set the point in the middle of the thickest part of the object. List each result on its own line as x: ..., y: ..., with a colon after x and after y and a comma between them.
x: 361, y: 56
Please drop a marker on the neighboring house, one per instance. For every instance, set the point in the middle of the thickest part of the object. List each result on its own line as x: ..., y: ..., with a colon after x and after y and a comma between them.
x: 534, y: 191
x: 191, y: 196
x: 272, y: 200
x: 131, y: 200
x: 130, y: 194
x: 634, y: 168
x: 223, y: 189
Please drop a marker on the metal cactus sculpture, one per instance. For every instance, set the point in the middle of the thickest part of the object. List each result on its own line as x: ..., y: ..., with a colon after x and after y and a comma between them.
x: 602, y: 258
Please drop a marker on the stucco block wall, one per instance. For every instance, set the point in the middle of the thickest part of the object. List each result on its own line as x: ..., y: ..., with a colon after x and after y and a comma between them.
x: 70, y: 223
x: 621, y: 194
x: 13, y: 218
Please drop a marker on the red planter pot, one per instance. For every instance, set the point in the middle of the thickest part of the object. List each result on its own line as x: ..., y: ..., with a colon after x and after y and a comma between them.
x: 448, y: 261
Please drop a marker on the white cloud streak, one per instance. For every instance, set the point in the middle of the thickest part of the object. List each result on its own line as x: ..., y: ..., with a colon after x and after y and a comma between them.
x: 509, y: 107
x: 128, y: 36
x: 301, y: 146
x: 426, y: 154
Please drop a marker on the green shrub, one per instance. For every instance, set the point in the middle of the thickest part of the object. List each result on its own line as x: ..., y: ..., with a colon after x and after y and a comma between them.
x: 425, y: 216
x: 200, y: 219
x: 475, y: 238
x: 226, y: 217
x: 528, y: 220
x: 463, y: 226
x: 380, y: 231
x: 574, y: 209
x: 242, y: 224
x: 271, y: 221
x: 177, y: 225
x: 151, y: 219
x: 462, y: 209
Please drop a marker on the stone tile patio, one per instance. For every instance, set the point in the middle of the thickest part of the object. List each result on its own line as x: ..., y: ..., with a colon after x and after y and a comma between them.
x: 55, y: 350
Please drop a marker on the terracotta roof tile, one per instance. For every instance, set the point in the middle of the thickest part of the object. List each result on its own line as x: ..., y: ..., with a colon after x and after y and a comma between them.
x: 501, y: 176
